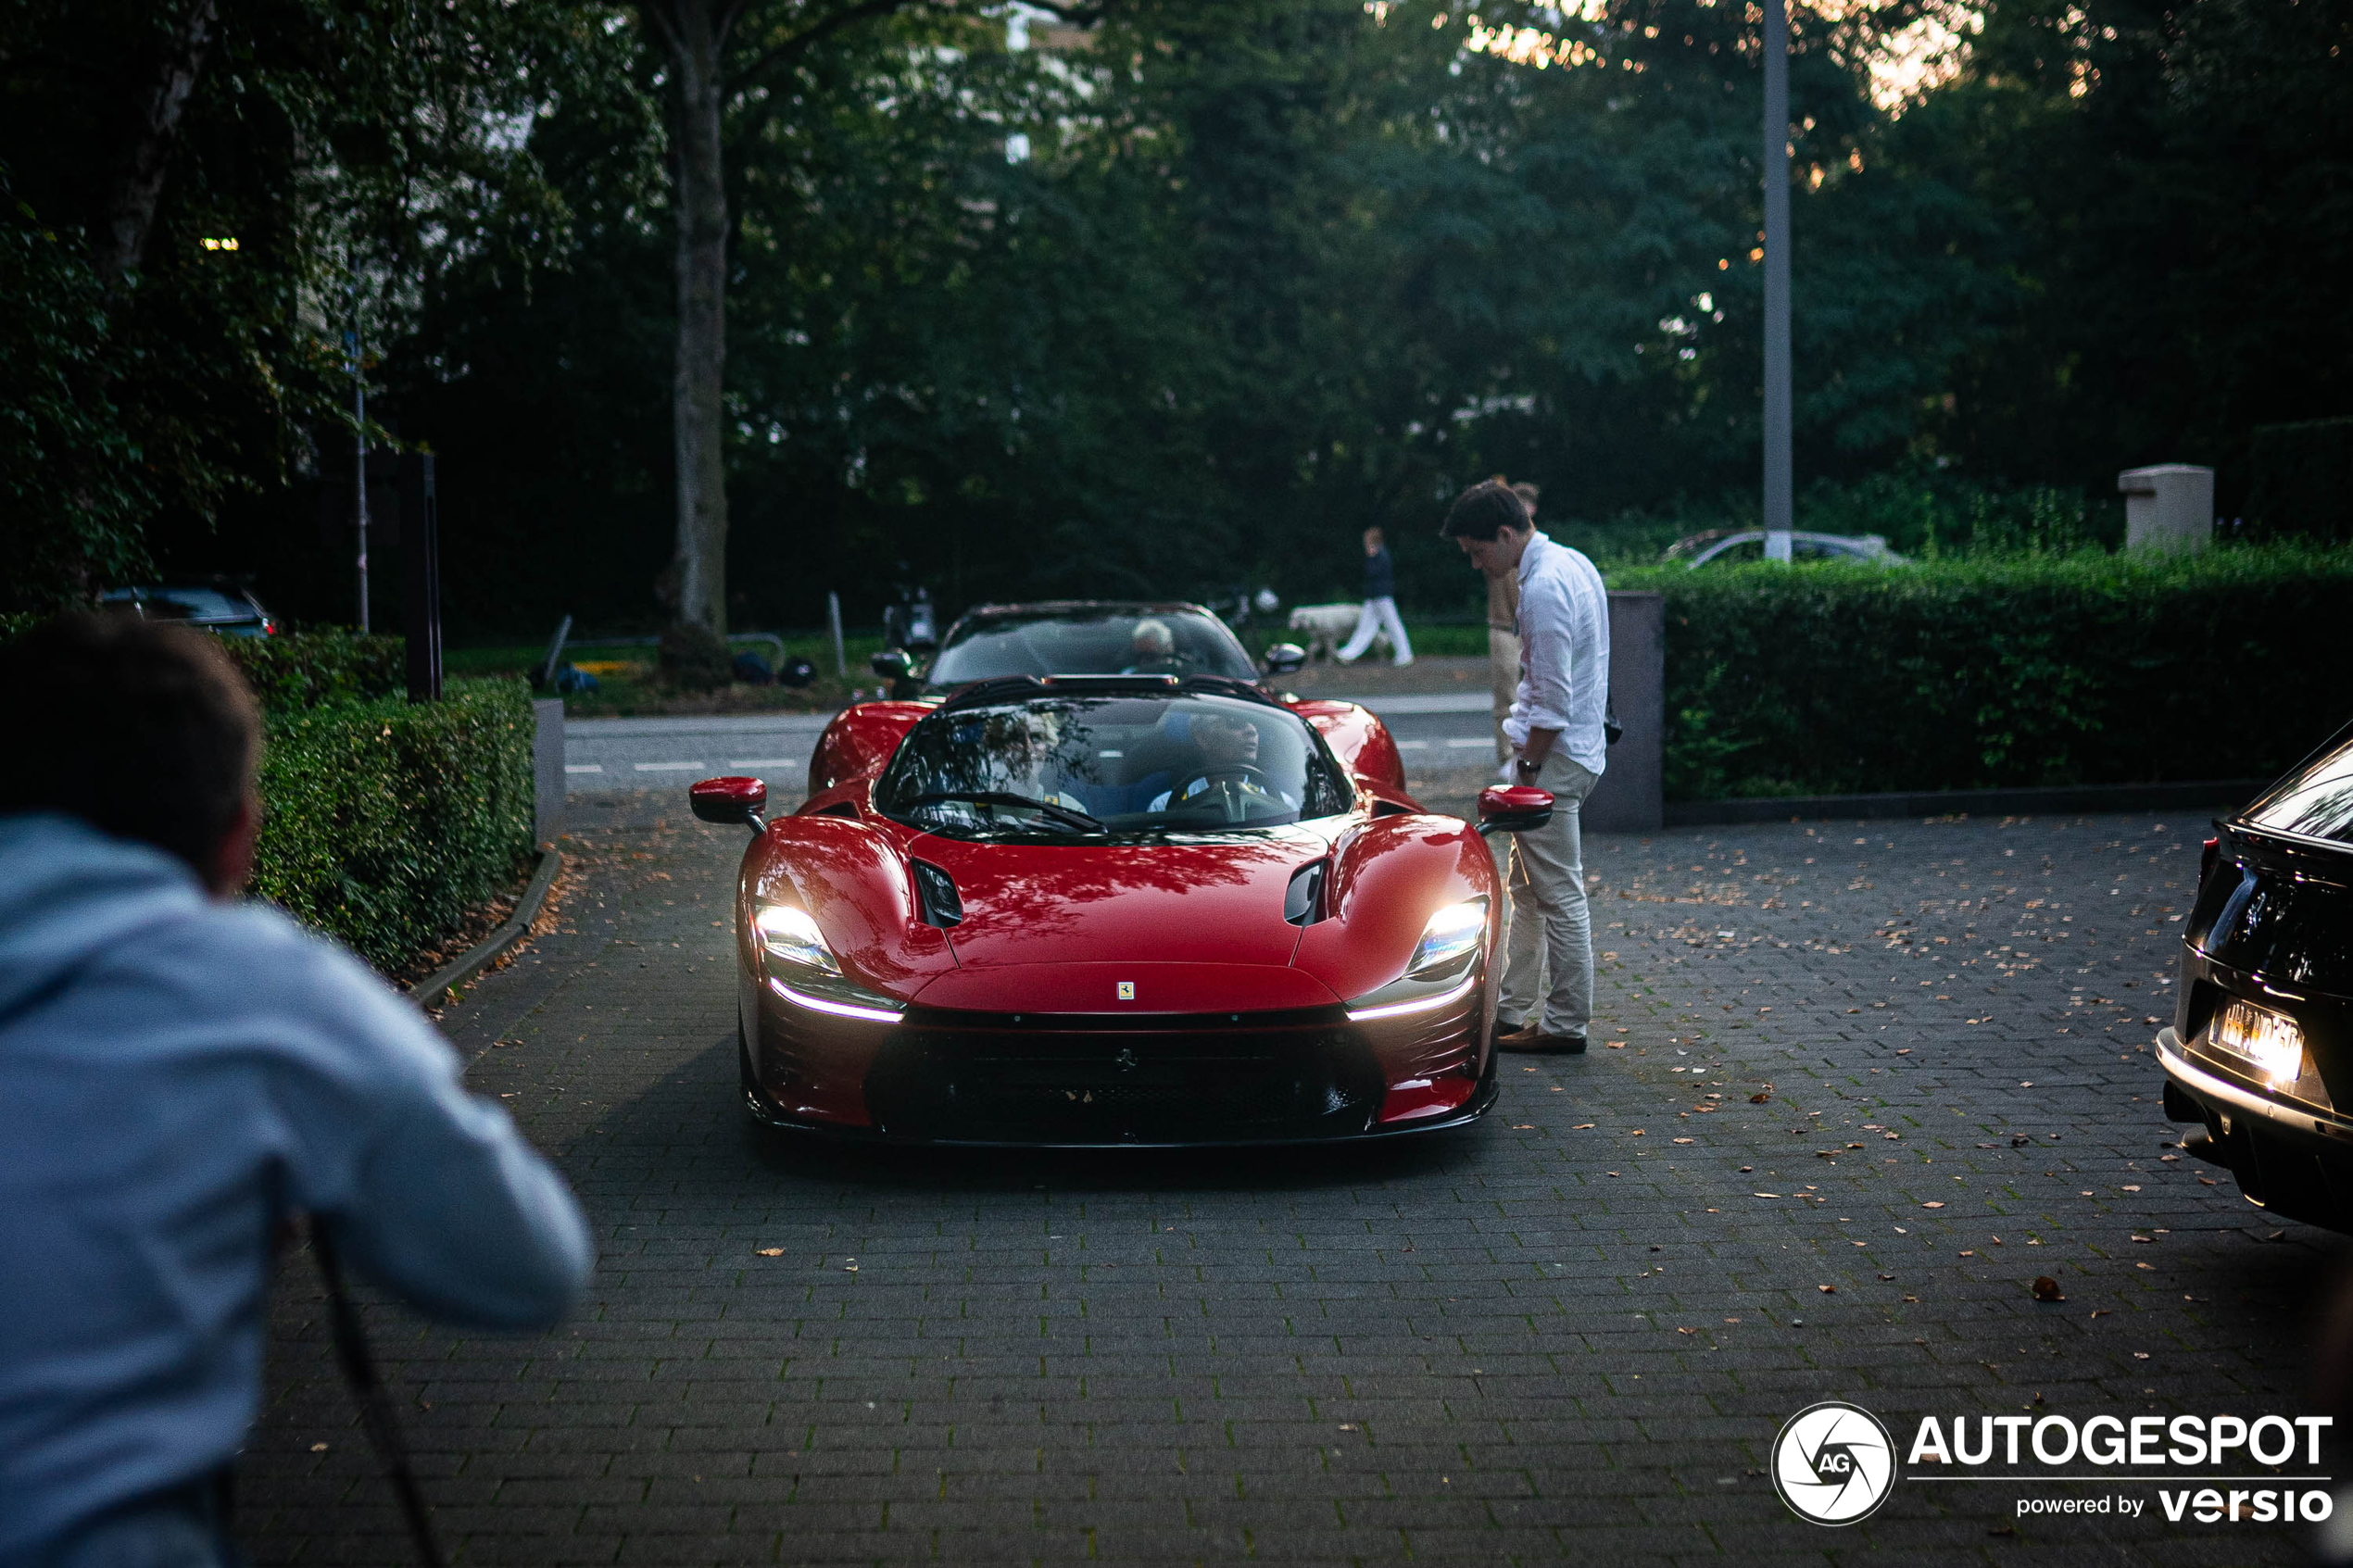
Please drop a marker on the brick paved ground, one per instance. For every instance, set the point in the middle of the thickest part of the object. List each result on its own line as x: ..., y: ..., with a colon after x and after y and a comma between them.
x: 1572, y: 1332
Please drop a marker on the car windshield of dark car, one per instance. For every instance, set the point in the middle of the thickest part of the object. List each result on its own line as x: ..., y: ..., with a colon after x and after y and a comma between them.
x: 184, y: 603
x: 1110, y: 765
x: 1091, y: 642
x: 2315, y: 801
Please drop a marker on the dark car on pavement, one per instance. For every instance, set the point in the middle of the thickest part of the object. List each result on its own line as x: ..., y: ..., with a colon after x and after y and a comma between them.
x: 2261, y: 1048
x: 1078, y: 637
x: 231, y: 611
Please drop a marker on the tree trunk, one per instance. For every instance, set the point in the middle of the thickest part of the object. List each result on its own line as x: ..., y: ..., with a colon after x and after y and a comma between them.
x: 131, y: 205
x: 697, y: 40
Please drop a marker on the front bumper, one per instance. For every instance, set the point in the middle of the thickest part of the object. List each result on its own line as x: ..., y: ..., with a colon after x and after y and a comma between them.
x: 2290, y: 1157
x: 1075, y: 1081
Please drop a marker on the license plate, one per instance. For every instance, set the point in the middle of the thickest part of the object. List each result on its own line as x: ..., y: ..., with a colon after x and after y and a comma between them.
x: 2269, y: 1041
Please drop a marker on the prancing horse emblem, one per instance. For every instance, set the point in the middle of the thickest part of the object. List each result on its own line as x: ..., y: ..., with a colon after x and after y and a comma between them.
x: 1126, y: 1060
x: 1126, y: 990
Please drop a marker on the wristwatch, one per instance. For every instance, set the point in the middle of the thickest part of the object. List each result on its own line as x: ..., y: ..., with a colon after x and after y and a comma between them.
x: 1527, y: 765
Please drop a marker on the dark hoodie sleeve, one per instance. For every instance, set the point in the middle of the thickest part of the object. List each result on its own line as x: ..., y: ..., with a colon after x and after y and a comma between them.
x: 1381, y: 575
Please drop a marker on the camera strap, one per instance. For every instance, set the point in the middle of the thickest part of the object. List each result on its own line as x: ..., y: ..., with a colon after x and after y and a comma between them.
x: 376, y: 1412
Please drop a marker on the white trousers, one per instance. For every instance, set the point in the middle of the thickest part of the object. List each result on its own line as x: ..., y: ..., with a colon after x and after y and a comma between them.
x: 1548, y: 971
x: 1379, y: 615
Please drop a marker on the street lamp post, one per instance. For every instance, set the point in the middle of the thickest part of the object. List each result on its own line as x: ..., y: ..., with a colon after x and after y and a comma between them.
x: 360, y: 439
x: 1780, y: 505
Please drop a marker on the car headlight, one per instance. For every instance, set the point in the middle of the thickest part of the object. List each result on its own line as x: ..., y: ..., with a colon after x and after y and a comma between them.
x: 789, y: 933
x: 1453, y: 932
x: 1440, y: 973
x: 803, y: 970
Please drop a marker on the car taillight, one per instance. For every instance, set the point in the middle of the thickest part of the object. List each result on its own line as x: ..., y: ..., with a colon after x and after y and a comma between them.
x: 269, y: 627
x: 2205, y: 861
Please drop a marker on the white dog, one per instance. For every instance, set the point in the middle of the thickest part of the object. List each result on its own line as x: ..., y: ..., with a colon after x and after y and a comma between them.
x: 1327, y: 627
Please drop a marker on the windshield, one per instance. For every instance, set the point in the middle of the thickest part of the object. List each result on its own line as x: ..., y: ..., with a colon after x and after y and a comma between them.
x: 2314, y: 801
x: 1090, y: 642
x: 1111, y: 764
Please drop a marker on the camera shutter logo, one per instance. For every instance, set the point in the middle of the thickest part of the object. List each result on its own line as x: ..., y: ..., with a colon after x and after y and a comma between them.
x: 1833, y: 1463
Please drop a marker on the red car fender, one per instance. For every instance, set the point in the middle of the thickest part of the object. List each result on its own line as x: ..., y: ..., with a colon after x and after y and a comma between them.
x: 1388, y: 877
x: 1361, y: 742
x: 860, y: 741
x: 855, y: 883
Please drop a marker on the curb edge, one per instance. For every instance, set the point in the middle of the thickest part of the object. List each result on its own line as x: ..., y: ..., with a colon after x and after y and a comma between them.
x: 479, y: 958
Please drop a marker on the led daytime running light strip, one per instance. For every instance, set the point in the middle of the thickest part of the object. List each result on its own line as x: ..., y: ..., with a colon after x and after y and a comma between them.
x: 1398, y: 1010
x: 839, y: 1010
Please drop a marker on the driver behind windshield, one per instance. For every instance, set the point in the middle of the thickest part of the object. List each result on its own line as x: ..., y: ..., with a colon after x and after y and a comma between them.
x: 1153, y: 650
x: 1228, y: 745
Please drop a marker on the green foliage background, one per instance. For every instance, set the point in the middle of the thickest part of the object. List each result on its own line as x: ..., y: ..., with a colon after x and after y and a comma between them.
x: 2081, y: 669
x: 1271, y: 271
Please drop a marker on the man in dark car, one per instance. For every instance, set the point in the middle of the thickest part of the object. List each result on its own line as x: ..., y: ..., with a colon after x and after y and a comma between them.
x: 181, y: 1073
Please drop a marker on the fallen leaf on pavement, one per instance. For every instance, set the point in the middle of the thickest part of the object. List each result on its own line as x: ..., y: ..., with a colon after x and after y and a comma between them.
x: 771, y: 1251
x: 1932, y: 1204
x: 1827, y: 1289
x: 1760, y: 1097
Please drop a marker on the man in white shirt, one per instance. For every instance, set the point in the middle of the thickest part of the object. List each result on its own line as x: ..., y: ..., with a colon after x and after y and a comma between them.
x: 1555, y: 731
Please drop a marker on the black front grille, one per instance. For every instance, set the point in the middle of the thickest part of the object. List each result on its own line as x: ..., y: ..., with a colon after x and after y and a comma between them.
x: 1200, y: 1084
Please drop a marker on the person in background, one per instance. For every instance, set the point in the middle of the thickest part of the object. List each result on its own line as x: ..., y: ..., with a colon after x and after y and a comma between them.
x: 1152, y: 650
x: 1502, y: 641
x: 181, y: 1073
x: 1381, y: 606
x: 1555, y: 728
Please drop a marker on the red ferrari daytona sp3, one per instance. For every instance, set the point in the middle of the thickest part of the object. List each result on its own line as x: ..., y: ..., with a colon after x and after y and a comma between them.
x: 1115, y: 910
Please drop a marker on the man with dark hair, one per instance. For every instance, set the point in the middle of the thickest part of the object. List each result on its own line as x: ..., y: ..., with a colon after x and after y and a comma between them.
x: 180, y: 1076
x: 1555, y: 730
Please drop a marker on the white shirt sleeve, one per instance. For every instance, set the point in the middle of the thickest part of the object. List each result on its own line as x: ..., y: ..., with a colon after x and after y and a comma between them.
x: 1547, y: 684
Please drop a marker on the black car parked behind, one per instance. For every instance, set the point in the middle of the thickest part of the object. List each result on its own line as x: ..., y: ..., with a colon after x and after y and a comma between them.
x: 2261, y: 1049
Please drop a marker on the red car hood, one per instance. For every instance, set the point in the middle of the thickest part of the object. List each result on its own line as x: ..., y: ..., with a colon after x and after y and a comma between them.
x: 1209, y: 902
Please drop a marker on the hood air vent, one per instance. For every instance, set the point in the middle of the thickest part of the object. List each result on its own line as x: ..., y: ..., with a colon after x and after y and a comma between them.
x: 936, y: 892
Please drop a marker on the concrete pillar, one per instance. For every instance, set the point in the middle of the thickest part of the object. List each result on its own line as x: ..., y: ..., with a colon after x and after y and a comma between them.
x: 548, y: 769
x: 1632, y: 795
x: 2167, y: 507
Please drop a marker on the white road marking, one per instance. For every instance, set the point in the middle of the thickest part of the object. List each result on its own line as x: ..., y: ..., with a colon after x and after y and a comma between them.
x: 584, y: 767
x: 1413, y: 746
x: 1482, y: 740
x: 765, y: 762
x: 666, y: 767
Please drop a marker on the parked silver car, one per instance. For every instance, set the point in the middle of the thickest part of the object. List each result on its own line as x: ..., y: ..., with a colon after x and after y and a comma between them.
x: 1748, y: 543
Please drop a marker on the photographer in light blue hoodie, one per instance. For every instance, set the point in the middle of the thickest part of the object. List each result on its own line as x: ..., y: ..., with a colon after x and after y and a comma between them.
x: 182, y: 1074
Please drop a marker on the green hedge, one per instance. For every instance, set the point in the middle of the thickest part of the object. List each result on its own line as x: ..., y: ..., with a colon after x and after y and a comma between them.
x: 385, y: 822
x: 2081, y: 669
x: 302, y: 669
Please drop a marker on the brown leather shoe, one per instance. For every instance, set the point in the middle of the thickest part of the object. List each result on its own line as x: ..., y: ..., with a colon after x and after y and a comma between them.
x: 1533, y: 1041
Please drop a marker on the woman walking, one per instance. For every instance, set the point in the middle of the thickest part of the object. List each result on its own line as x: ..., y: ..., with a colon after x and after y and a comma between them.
x: 1379, y: 613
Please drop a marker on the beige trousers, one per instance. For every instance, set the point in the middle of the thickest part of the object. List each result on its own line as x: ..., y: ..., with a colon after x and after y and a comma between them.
x: 1548, y: 972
